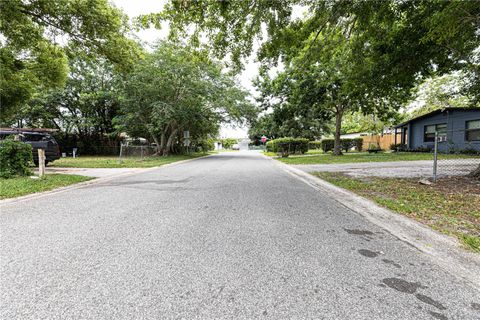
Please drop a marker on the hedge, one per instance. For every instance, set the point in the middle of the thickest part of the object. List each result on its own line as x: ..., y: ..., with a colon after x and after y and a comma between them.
x: 314, y: 145
x: 288, y: 145
x: 346, y: 144
x: 15, y: 157
x: 398, y: 147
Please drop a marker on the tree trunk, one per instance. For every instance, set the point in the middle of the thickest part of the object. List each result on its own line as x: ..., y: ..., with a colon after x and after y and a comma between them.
x: 337, y: 148
x: 168, y: 147
x: 159, y: 150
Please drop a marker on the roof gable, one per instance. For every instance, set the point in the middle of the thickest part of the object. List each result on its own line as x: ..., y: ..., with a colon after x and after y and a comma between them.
x: 434, y: 112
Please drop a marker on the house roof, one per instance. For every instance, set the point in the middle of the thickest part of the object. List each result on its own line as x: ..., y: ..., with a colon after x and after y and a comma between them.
x: 436, y: 112
x: 34, y: 130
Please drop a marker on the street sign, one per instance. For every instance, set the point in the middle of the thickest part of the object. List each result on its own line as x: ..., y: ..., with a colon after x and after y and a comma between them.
x: 186, y: 142
x: 186, y: 134
x: 264, y: 139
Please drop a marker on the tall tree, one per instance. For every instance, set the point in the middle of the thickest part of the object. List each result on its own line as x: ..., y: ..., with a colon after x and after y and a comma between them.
x: 84, y: 108
x: 335, y: 82
x: 442, y: 32
x: 176, y: 89
x: 438, y: 92
x: 407, y: 40
x: 33, y: 39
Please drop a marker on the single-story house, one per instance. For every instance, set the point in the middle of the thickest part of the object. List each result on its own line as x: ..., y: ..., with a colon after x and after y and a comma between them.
x: 353, y: 135
x: 458, y: 129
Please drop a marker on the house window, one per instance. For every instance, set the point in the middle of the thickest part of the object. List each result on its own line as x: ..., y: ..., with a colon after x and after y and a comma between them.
x: 472, y: 130
x: 429, y: 134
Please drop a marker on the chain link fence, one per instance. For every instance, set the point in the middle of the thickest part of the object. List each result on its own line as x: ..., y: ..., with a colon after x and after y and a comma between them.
x: 129, y: 151
x: 456, y: 153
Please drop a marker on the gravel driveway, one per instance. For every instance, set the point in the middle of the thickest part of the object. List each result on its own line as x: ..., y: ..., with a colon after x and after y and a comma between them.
x: 397, y: 169
x: 229, y: 236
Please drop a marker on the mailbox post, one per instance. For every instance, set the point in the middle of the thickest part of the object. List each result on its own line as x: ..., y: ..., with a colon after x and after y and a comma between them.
x: 186, y: 140
x: 41, y: 162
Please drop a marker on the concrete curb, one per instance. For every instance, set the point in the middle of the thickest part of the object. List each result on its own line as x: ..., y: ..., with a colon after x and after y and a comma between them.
x: 91, y: 182
x: 442, y: 250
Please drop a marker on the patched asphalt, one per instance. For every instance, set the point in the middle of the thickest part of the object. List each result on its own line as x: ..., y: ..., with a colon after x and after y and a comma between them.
x: 229, y: 236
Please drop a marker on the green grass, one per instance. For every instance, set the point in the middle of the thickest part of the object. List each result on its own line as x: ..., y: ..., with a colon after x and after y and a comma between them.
x: 20, y: 186
x: 113, y: 162
x: 365, y: 157
x: 451, y: 206
x: 315, y: 151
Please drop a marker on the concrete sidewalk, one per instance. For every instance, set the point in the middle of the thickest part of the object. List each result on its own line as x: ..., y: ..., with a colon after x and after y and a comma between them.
x: 94, y: 172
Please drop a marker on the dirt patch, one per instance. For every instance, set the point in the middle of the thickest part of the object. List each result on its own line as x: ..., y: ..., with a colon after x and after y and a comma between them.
x: 458, y: 185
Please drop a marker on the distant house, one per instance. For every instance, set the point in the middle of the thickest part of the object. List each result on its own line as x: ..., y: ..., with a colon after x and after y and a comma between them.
x: 353, y: 135
x: 458, y: 129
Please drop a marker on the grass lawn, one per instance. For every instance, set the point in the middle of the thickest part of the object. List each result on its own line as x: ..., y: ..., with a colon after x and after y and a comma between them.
x: 365, y: 157
x: 113, y: 162
x: 20, y: 186
x: 451, y: 206
x: 315, y: 151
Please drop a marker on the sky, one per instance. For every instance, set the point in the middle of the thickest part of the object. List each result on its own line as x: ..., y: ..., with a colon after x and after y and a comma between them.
x: 137, y: 7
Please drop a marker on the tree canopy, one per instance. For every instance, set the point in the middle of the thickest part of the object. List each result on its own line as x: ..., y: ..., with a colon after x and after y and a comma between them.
x: 175, y: 89
x: 341, y: 55
x: 36, y: 38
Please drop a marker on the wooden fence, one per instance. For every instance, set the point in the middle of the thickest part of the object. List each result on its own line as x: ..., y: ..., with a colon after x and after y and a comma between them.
x: 384, y: 141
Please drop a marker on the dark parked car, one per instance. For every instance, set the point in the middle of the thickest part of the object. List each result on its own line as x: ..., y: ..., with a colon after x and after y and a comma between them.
x: 38, y: 140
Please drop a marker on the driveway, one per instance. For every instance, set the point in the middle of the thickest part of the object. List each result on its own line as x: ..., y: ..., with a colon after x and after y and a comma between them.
x: 229, y: 236
x: 397, y: 169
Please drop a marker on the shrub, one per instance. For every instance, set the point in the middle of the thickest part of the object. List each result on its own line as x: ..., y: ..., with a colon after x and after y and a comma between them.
x: 398, y: 147
x: 206, y: 144
x: 288, y: 145
x: 358, y: 143
x: 470, y: 151
x: 374, y: 147
x: 314, y: 145
x: 346, y: 144
x: 422, y: 149
x: 15, y: 157
x: 327, y: 144
x: 228, y: 143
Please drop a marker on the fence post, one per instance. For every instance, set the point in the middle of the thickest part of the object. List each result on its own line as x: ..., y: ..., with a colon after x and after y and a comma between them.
x: 435, y: 158
x: 120, y: 155
x: 41, y: 162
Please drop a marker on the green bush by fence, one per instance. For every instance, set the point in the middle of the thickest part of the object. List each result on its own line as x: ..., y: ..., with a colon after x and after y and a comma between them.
x: 290, y: 145
x: 314, y: 145
x: 15, y: 157
x: 347, y: 144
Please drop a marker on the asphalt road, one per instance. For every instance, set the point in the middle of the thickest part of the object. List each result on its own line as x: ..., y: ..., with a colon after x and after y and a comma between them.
x: 227, y: 236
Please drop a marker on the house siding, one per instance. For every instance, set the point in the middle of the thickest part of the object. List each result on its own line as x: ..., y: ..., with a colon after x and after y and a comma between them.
x: 455, y: 121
